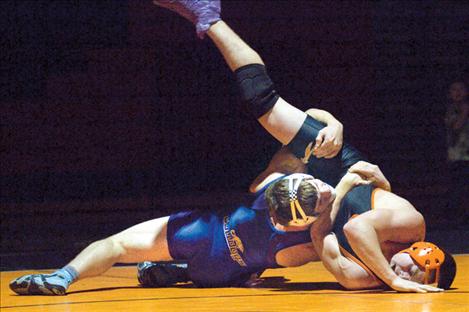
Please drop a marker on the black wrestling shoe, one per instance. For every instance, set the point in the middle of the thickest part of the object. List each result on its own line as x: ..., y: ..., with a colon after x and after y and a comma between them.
x: 161, y: 274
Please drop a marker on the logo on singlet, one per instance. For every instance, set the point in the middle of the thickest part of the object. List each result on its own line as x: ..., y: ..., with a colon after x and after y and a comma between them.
x: 235, y: 245
x: 308, y: 153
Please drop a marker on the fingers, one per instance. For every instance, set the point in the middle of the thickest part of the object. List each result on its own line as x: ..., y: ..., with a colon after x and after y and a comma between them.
x: 419, y: 290
x: 326, y: 146
x: 335, y: 150
x: 429, y: 288
x: 424, y: 289
x: 361, y: 169
x: 409, y: 286
x: 319, y: 140
x: 364, y: 182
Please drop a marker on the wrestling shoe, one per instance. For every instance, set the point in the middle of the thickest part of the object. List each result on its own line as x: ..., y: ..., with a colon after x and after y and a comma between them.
x: 39, y: 284
x: 161, y: 274
x: 202, y: 13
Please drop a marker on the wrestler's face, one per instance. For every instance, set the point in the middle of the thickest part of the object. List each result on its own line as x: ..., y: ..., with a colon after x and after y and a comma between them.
x: 326, y: 194
x: 404, y: 267
x: 458, y: 92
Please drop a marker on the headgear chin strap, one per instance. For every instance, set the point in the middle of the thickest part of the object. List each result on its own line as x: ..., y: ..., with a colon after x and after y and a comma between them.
x: 294, y: 181
x: 428, y: 256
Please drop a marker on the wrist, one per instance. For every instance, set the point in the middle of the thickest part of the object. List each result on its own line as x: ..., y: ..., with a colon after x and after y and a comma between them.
x: 390, y: 278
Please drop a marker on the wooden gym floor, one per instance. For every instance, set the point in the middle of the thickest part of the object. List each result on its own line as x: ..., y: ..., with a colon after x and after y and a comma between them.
x: 307, y: 288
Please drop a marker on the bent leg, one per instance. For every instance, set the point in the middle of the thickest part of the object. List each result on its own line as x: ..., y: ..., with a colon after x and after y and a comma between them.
x: 144, y: 241
x: 283, y: 120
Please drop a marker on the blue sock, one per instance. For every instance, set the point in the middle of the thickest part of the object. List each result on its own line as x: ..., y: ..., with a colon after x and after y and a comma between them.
x: 68, y: 273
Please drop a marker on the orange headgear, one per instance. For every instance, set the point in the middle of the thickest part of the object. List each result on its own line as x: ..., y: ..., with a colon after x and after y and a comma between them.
x: 294, y: 203
x: 428, y: 256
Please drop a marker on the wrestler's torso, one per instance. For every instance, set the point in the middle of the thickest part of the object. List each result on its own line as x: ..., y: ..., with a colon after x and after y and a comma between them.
x: 359, y: 200
x: 225, y: 248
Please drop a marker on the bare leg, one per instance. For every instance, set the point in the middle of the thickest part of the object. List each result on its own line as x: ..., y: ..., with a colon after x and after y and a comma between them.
x: 284, y: 120
x: 235, y: 51
x: 144, y: 241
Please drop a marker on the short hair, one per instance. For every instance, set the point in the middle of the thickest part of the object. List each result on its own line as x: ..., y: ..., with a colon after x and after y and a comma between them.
x: 278, y: 199
x: 447, y: 271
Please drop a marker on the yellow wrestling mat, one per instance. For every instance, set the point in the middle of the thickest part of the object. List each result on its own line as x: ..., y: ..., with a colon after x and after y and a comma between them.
x: 306, y: 288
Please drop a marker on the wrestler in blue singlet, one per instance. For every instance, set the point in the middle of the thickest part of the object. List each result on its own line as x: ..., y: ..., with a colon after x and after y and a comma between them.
x: 224, y: 249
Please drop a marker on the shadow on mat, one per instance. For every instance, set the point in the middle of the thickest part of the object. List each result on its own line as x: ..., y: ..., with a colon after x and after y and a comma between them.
x: 101, y: 289
x: 279, y: 283
x: 275, y: 283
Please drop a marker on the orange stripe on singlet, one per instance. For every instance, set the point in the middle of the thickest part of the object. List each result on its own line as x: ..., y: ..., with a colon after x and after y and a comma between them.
x: 348, y: 254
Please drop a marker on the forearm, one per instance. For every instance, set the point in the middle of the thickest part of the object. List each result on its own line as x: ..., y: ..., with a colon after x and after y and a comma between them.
x: 326, y: 219
x: 323, y: 225
x: 364, y: 241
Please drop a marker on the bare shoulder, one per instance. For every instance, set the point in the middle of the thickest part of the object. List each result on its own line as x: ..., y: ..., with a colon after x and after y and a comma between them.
x: 386, y: 200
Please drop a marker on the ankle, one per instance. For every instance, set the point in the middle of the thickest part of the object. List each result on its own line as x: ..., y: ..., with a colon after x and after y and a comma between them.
x: 69, y: 273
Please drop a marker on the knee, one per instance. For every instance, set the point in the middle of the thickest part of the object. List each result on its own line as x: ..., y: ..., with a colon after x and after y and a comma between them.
x: 256, y: 88
x: 114, y: 246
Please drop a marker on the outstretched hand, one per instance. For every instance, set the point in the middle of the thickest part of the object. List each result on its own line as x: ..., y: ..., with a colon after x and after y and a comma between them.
x: 402, y: 285
x: 328, y: 141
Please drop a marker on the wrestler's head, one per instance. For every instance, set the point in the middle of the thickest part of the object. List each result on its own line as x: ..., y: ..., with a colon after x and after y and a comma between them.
x: 425, y: 263
x: 298, y: 199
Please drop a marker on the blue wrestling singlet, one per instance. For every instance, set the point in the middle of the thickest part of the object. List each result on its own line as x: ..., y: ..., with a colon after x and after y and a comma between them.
x: 224, y: 249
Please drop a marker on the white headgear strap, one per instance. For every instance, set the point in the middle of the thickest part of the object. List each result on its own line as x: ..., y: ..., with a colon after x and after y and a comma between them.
x: 294, y: 181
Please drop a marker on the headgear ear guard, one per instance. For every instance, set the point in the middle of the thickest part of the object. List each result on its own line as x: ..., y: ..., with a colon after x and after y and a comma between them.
x: 428, y: 256
x: 294, y: 181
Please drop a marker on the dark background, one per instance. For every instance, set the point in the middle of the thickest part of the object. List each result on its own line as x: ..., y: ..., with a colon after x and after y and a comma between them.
x: 113, y: 112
